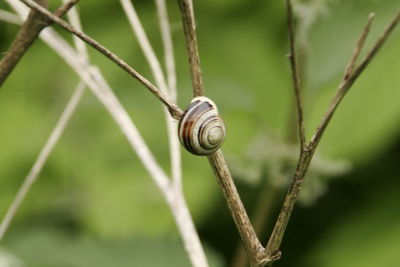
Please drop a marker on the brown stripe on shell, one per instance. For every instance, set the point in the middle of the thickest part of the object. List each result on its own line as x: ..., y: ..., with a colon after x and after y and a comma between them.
x: 189, y: 120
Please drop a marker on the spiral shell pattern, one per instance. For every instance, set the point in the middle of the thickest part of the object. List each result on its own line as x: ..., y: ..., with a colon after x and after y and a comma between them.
x: 201, y: 130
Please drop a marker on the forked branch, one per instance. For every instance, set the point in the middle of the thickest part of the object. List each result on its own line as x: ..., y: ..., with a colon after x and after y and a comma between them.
x: 305, y: 158
x: 351, y: 77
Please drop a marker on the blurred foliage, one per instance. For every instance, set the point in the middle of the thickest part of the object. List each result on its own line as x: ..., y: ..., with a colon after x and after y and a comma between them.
x: 48, y: 248
x: 274, y: 160
x: 93, y: 185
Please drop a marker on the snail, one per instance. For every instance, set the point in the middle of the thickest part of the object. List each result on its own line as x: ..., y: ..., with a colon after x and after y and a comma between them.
x: 201, y: 130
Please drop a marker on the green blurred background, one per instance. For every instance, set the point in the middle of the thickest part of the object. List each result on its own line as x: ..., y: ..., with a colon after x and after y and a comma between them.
x: 95, y: 205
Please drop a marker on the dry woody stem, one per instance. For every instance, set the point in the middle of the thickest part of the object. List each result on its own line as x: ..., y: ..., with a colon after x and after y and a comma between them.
x: 27, y: 35
x: 348, y: 81
x: 174, y: 110
x: 253, y: 247
x: 249, y: 238
x: 295, y: 75
x: 305, y: 158
x: 189, y: 26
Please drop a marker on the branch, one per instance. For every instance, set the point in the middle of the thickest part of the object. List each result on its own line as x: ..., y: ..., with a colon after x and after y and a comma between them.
x: 26, y: 36
x: 295, y: 74
x: 346, y: 84
x: 63, y: 9
x: 252, y: 245
x: 254, y: 249
x: 306, y: 156
x: 189, y: 26
x: 360, y: 44
x: 174, y: 110
x: 42, y: 158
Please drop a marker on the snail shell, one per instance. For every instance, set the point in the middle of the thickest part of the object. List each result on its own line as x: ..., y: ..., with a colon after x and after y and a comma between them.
x: 201, y: 130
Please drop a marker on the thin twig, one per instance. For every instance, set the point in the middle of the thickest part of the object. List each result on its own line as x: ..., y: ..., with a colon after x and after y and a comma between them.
x: 27, y: 35
x: 63, y: 9
x: 174, y: 110
x: 360, y: 44
x: 189, y: 26
x: 168, y: 47
x: 145, y: 45
x: 347, y: 83
x: 307, y: 155
x: 295, y: 74
x: 176, y: 159
x: 42, y: 158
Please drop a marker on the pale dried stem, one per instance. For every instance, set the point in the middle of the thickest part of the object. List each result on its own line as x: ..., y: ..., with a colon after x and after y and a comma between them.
x: 168, y: 47
x: 186, y: 227
x: 98, y: 85
x: 26, y: 36
x: 172, y: 108
x: 42, y: 158
x: 9, y: 17
x: 145, y: 45
x: 104, y: 93
x: 173, y: 93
